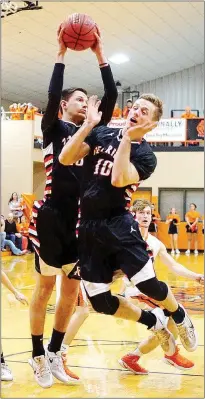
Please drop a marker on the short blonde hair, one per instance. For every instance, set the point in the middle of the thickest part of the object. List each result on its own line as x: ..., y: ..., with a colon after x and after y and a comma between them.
x: 156, y: 101
x: 140, y: 204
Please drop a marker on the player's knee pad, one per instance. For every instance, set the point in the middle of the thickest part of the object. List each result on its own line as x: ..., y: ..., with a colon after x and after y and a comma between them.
x: 154, y: 288
x: 105, y: 303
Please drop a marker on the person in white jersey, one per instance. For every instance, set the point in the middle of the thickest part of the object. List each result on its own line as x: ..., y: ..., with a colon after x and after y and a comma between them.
x: 142, y: 208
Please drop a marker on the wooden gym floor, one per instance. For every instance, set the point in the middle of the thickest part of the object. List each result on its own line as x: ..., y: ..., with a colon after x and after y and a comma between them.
x: 99, y: 344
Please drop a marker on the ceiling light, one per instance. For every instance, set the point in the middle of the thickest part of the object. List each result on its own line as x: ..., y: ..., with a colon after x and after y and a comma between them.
x: 119, y: 59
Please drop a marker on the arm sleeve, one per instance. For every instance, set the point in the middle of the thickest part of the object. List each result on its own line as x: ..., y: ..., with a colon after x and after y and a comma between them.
x: 145, y: 164
x: 91, y: 140
x: 110, y: 95
x: 54, y: 98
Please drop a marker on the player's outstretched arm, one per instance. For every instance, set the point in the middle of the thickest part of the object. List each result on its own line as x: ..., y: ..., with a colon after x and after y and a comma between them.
x: 110, y: 90
x: 177, y: 268
x: 54, y: 91
x: 76, y: 148
x: 7, y: 283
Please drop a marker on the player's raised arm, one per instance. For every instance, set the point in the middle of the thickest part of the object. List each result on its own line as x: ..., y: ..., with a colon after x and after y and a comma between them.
x: 54, y: 91
x: 127, y: 171
x: 177, y: 268
x: 76, y: 148
x: 110, y: 91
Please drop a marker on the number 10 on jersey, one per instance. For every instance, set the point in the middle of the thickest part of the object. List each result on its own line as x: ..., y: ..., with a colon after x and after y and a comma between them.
x: 103, y: 167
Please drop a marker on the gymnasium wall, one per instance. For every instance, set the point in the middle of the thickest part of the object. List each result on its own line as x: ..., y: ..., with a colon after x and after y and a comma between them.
x: 16, y: 160
x: 178, y: 89
x: 39, y: 178
x: 177, y: 169
x: 6, y: 104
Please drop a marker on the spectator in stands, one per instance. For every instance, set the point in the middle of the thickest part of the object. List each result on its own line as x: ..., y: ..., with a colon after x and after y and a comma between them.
x: 11, y: 231
x: 173, y: 219
x: 22, y: 228
x: 15, y: 205
x: 16, y: 111
x: 8, y: 243
x: 117, y: 113
x: 188, y: 114
x: 155, y: 218
x: 192, y: 218
x: 127, y: 109
x: 29, y: 112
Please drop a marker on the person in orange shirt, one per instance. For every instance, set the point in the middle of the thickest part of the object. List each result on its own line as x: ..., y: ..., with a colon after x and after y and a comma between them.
x: 188, y: 114
x: 127, y: 109
x: 15, y: 109
x: 192, y: 218
x: 202, y: 218
x: 29, y: 112
x: 117, y: 113
x: 173, y: 219
x: 155, y: 218
x: 23, y: 228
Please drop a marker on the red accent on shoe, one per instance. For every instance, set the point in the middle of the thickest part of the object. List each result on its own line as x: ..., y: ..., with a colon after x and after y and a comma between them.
x: 67, y: 370
x: 130, y: 362
x: 179, y: 361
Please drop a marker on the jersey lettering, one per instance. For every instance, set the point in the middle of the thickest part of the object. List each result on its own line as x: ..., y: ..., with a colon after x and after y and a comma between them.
x: 103, y: 167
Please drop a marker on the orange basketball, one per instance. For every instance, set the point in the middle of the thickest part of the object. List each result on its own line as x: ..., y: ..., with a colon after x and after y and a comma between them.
x: 79, y: 32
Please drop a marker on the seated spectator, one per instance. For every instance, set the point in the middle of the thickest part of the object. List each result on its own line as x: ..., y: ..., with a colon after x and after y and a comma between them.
x: 192, y: 218
x: 29, y: 112
x: 16, y: 111
x: 15, y: 205
x: 155, y: 218
x: 127, y: 109
x: 188, y: 114
x: 8, y: 243
x: 117, y: 113
x: 173, y: 219
x: 11, y: 231
x: 22, y: 228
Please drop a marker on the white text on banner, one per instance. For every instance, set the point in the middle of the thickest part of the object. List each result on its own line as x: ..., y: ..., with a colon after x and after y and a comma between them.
x: 167, y: 130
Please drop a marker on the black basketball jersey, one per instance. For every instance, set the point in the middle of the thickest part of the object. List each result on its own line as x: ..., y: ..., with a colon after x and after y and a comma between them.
x: 62, y: 182
x: 99, y: 199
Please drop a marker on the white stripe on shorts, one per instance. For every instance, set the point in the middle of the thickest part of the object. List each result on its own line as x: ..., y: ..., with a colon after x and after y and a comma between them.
x: 96, y: 288
x: 144, y: 274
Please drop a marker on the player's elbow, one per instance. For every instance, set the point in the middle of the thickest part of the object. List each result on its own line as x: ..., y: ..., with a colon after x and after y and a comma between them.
x: 117, y: 181
x: 64, y: 160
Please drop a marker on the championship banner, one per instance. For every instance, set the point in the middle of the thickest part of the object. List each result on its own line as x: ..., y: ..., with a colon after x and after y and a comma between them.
x: 167, y: 130
x: 195, y: 129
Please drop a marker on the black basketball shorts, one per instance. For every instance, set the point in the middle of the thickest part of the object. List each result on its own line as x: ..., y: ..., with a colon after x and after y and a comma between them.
x: 111, y: 244
x: 55, y: 240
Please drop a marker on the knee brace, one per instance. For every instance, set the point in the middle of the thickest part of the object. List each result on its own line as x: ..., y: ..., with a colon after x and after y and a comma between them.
x: 154, y: 288
x: 105, y: 303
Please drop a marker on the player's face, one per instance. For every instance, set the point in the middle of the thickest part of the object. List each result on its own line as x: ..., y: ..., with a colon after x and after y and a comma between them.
x: 76, y: 107
x: 144, y: 217
x: 142, y: 111
x: 173, y: 210
x: 192, y: 207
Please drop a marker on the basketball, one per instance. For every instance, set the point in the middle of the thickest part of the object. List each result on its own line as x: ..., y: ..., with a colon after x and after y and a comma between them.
x: 79, y: 32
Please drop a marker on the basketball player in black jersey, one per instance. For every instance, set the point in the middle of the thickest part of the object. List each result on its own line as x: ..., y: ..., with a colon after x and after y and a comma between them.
x: 109, y: 237
x: 53, y: 225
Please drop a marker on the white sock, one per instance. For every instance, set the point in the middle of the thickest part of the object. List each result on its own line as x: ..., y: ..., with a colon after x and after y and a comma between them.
x: 137, y: 352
